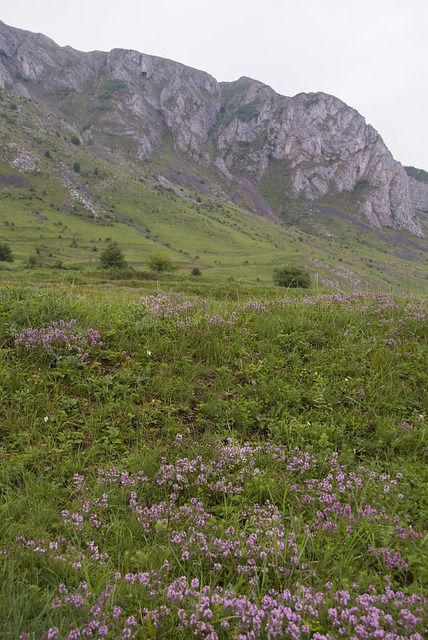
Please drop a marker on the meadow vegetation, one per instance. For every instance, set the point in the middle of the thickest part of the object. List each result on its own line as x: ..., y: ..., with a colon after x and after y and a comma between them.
x: 199, y: 461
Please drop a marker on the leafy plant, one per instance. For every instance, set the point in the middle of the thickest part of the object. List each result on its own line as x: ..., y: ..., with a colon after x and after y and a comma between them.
x: 6, y: 254
x: 160, y: 262
x: 112, y: 257
x: 292, y: 277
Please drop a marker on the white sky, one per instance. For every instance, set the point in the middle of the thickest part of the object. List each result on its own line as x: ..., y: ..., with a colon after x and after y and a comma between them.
x: 372, y: 54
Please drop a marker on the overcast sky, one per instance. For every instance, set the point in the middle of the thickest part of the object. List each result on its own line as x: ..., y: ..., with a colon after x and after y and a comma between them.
x: 372, y: 54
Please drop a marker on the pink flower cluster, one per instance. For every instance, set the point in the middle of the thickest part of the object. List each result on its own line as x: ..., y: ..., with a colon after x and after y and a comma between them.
x: 227, y: 569
x: 59, y: 337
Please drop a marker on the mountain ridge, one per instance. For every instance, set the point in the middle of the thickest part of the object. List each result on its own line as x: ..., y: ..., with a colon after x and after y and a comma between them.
x: 181, y: 121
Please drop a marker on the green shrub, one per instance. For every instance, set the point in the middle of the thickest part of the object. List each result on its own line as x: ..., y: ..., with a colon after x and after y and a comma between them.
x: 292, y: 277
x: 34, y: 261
x: 6, y: 254
x: 112, y: 257
x: 160, y: 262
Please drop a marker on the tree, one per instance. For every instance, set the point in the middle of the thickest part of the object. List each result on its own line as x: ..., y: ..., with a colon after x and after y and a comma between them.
x: 5, y: 253
x: 76, y: 167
x: 160, y: 262
x: 196, y: 271
x: 292, y: 277
x: 112, y: 257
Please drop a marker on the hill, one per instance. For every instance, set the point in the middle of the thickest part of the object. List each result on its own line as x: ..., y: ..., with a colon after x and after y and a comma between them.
x: 230, y: 177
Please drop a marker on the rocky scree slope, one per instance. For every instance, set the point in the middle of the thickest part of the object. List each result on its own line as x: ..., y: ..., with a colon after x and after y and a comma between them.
x: 242, y: 133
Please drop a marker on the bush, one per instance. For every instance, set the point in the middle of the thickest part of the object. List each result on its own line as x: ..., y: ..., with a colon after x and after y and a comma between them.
x: 112, y: 257
x: 196, y: 272
x: 76, y: 167
x: 5, y: 253
x: 292, y: 277
x: 160, y: 262
x: 75, y: 140
x: 33, y: 262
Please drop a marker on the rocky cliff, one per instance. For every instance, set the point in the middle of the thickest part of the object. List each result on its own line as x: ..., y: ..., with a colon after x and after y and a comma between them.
x: 418, y: 185
x: 312, y: 145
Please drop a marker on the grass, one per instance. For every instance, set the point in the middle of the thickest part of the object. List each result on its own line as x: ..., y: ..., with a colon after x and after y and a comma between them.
x: 212, y: 461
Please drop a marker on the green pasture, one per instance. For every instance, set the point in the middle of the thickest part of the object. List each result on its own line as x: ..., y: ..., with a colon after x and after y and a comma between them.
x: 160, y: 442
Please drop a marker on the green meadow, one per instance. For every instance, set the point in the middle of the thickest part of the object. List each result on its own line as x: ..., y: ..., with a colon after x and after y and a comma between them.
x: 190, y: 459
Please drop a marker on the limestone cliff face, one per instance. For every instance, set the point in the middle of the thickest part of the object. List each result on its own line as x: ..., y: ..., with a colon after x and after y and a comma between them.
x: 239, y: 129
x: 418, y: 184
x: 328, y: 147
x: 134, y: 95
x: 164, y: 97
x: 26, y: 56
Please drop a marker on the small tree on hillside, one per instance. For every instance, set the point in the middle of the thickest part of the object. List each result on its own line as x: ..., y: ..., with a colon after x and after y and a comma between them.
x: 292, y: 277
x: 112, y: 257
x: 5, y: 253
x: 160, y: 262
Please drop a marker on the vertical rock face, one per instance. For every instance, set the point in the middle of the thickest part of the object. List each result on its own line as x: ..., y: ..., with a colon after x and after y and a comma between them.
x: 240, y: 129
x: 166, y: 97
x: 418, y: 184
x: 328, y: 148
x: 137, y: 96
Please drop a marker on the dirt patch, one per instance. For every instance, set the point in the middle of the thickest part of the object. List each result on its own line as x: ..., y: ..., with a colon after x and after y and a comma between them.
x: 12, y: 180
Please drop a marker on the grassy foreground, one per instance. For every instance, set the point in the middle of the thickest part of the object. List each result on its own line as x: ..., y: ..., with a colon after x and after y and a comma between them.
x: 182, y: 466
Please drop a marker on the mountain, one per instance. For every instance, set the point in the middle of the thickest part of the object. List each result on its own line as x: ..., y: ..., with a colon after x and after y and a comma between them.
x: 228, y: 173
x: 311, y: 145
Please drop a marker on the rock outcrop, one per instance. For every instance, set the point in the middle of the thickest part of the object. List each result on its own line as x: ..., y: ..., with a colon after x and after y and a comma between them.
x: 239, y: 130
x: 328, y: 148
x: 418, y: 184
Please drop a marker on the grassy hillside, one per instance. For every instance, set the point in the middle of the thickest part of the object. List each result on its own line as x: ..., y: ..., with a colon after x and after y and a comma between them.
x: 62, y: 198
x: 220, y: 464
